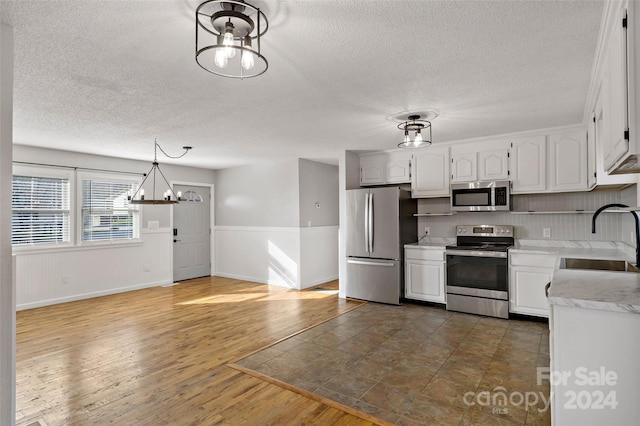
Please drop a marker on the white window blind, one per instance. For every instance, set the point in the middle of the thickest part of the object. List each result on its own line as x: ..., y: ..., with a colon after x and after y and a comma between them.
x: 41, y: 207
x: 106, y: 212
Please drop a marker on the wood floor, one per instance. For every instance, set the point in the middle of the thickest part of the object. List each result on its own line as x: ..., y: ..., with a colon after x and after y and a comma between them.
x: 157, y: 357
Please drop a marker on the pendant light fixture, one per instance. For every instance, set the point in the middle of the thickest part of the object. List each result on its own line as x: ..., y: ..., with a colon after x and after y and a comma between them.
x: 169, y: 197
x: 228, y: 35
x: 417, y: 133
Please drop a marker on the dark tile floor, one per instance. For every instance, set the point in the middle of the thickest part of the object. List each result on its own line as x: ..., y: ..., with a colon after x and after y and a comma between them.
x: 415, y: 364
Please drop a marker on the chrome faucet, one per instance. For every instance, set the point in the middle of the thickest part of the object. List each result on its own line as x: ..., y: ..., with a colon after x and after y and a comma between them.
x: 635, y: 218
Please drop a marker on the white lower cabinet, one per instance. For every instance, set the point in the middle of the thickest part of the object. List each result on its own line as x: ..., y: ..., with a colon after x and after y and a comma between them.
x: 528, y: 276
x: 424, y: 274
x: 595, y: 366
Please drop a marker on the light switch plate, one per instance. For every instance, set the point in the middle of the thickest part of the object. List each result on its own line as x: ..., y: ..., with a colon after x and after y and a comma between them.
x: 546, y: 232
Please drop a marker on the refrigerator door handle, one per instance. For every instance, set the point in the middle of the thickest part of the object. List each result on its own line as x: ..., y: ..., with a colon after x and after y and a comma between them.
x: 366, y: 222
x: 370, y: 223
x: 364, y: 262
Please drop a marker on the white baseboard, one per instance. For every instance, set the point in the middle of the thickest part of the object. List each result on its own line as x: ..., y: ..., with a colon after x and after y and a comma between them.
x: 261, y: 281
x: 76, y: 297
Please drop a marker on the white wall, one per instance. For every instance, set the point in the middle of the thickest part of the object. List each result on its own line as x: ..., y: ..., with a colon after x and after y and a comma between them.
x: 57, y: 275
x: 259, y: 212
x: 261, y: 194
x: 7, y: 288
x: 318, y: 184
x: 63, y: 275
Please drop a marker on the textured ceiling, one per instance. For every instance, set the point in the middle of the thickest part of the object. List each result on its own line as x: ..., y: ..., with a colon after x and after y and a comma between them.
x: 107, y: 77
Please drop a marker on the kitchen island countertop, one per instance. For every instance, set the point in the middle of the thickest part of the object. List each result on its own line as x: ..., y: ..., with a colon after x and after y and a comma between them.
x: 599, y: 290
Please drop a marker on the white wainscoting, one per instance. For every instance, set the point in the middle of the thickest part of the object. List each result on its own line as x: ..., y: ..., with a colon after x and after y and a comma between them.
x: 93, y: 271
x: 318, y: 255
x: 283, y: 256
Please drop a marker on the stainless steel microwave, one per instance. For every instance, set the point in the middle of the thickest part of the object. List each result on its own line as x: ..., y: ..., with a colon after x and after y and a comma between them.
x: 481, y: 196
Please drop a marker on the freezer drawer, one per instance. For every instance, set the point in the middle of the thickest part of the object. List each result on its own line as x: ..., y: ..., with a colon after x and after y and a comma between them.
x: 374, y: 280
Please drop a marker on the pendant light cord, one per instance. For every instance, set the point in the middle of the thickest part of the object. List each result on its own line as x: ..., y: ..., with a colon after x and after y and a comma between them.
x: 186, y: 149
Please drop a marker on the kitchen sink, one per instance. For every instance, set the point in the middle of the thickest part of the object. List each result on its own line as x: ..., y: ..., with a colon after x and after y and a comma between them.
x: 597, y: 264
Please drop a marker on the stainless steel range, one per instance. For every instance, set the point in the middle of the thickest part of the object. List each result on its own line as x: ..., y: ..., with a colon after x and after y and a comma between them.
x: 477, y: 272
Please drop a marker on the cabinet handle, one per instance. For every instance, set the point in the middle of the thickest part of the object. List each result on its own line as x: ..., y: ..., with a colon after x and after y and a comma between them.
x: 546, y: 289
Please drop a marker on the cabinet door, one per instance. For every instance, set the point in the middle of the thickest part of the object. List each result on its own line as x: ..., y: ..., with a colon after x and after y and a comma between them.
x: 528, y: 164
x: 615, y: 84
x: 464, y: 167
x: 598, y: 135
x: 372, y: 169
x: 424, y: 281
x: 398, y: 168
x: 568, y: 161
x: 431, y: 175
x: 526, y: 290
x: 493, y: 165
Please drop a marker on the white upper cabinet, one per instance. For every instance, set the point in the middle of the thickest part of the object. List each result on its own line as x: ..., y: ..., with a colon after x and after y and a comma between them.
x: 464, y: 167
x: 556, y: 162
x: 615, y: 88
x: 568, y: 161
x: 493, y: 165
x: 372, y: 168
x: 431, y: 173
x: 480, y: 161
x: 398, y: 167
x: 528, y: 164
x: 385, y: 168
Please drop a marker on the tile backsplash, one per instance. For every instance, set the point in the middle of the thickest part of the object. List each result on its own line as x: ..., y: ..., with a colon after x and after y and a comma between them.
x: 564, y: 226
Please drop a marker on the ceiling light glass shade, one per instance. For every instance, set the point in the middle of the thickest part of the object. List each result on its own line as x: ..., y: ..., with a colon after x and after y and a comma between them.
x: 417, y: 126
x: 235, y: 28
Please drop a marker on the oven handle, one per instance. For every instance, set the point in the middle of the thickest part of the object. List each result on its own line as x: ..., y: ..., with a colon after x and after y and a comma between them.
x: 478, y: 253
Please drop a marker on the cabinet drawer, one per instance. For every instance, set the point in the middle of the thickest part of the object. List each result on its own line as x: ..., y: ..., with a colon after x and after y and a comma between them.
x: 422, y: 254
x: 542, y: 260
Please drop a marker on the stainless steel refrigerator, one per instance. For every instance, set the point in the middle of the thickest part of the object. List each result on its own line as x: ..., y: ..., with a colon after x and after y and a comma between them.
x: 380, y: 221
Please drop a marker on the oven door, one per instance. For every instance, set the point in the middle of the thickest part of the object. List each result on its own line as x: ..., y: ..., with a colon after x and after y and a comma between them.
x: 482, y: 274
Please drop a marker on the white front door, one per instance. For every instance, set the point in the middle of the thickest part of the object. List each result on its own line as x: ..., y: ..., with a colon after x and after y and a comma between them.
x: 191, y: 233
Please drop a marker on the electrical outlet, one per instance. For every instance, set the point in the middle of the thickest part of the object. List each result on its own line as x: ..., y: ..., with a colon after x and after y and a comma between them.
x: 546, y: 232
x: 65, y: 279
x: 146, y: 268
x: 427, y: 230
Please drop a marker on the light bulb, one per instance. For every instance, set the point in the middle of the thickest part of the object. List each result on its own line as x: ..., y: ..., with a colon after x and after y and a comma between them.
x: 407, y: 141
x: 220, y: 58
x: 248, y: 60
x: 228, y: 41
x: 418, y: 139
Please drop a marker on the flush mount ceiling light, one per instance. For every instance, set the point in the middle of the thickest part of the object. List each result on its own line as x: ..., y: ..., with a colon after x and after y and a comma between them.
x: 169, y: 197
x: 228, y: 34
x: 419, y: 129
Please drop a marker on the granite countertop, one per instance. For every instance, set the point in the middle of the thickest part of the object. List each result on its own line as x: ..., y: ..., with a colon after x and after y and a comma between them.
x: 432, y: 243
x: 577, y: 252
x: 599, y: 290
x: 577, y: 249
x: 426, y: 245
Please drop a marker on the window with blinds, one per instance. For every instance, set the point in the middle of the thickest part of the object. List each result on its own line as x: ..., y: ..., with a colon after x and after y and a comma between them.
x: 106, y: 211
x: 41, y: 210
